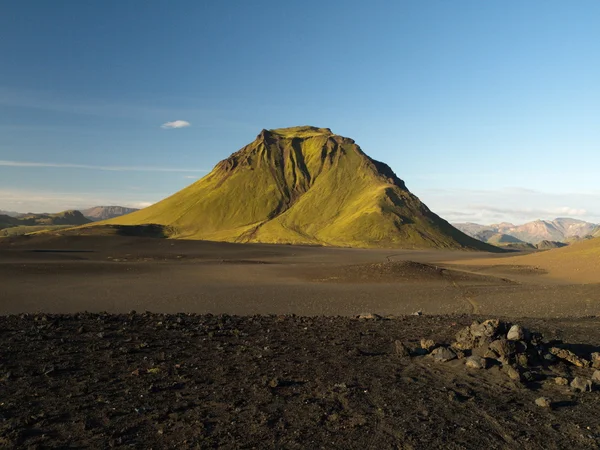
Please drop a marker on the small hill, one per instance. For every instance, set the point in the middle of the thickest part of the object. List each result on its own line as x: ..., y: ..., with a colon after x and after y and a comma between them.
x: 8, y: 213
x: 548, y: 245
x: 503, y: 239
x: 106, y: 212
x: 303, y: 185
x: 28, y: 223
x: 575, y: 263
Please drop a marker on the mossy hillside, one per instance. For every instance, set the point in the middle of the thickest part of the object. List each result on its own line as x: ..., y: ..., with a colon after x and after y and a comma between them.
x: 303, y: 185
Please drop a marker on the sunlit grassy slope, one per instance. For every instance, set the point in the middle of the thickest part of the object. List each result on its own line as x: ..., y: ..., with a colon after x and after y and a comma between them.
x: 303, y: 185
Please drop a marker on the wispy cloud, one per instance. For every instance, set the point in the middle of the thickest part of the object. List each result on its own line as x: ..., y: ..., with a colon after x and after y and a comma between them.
x: 175, y: 124
x: 32, y: 200
x: 96, y: 167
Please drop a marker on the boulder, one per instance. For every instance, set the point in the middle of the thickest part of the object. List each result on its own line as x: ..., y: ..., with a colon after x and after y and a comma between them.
x: 369, y: 316
x: 512, y: 373
x: 517, y: 333
x: 569, y: 356
x: 596, y: 377
x: 443, y: 354
x: 543, y: 402
x: 502, y: 350
x: 479, y: 334
x: 476, y: 362
x: 561, y: 381
x: 595, y: 357
x: 581, y: 384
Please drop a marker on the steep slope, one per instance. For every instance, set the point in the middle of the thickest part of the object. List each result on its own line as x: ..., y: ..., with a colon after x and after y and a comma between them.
x: 303, y: 185
x: 106, y: 212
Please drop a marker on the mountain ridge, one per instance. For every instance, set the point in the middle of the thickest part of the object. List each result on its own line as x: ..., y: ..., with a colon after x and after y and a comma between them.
x: 97, y: 213
x: 561, y: 229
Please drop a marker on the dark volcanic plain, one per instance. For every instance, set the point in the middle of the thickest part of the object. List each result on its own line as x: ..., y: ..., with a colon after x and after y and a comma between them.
x: 247, y: 346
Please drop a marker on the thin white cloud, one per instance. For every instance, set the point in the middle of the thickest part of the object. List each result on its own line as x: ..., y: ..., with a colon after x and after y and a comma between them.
x: 28, y: 200
x: 95, y: 167
x: 175, y: 124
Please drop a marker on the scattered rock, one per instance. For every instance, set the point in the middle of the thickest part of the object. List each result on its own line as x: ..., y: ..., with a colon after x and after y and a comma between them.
x: 517, y: 333
x: 512, y: 373
x: 543, y: 402
x: 596, y: 377
x: 443, y: 354
x: 476, y: 362
x: 569, y: 356
x: 489, y: 328
x: 595, y: 357
x: 418, y: 313
x: 400, y: 349
x: 502, y: 350
x: 428, y: 344
x: 561, y: 381
x: 369, y: 316
x: 581, y: 384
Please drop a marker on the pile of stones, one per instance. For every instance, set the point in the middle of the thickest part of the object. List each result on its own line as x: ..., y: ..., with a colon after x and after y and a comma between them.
x: 523, y: 355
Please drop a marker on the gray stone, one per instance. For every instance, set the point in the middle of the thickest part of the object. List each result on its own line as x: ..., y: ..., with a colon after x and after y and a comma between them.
x: 489, y: 328
x: 512, y: 373
x: 581, y: 384
x: 400, y: 349
x: 369, y: 316
x: 443, y: 354
x: 476, y: 362
x: 502, y: 350
x: 543, y: 402
x: 517, y: 333
x: 561, y: 381
x: 569, y: 356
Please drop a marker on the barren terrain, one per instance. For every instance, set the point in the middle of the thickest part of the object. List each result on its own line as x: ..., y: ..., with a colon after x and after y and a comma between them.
x: 64, y: 274
x: 247, y: 346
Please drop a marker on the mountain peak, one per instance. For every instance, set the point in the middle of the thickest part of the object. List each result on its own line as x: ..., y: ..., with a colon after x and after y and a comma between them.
x: 303, y: 185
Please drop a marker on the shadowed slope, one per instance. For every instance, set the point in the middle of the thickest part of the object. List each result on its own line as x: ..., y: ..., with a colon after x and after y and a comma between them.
x: 303, y: 185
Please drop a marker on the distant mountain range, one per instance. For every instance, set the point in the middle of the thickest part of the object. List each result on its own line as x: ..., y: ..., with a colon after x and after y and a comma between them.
x: 561, y: 230
x: 106, y: 212
x: 8, y: 213
x: 14, y: 224
x: 28, y: 223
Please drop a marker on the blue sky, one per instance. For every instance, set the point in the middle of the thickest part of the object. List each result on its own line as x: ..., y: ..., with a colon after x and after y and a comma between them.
x: 488, y: 110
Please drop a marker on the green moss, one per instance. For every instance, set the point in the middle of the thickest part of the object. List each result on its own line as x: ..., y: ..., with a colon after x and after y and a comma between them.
x: 302, y: 185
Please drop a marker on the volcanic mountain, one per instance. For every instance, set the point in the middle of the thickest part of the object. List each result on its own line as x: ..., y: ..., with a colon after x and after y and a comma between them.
x: 302, y: 185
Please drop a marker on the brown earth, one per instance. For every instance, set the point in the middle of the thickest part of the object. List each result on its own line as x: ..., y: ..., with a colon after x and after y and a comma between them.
x: 275, y: 380
x: 186, y: 381
x: 65, y: 274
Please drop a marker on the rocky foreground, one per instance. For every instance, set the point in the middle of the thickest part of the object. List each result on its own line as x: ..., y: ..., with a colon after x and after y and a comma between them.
x: 191, y: 381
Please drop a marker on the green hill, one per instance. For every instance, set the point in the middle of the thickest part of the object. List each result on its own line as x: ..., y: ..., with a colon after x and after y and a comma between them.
x: 30, y: 223
x: 303, y: 185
